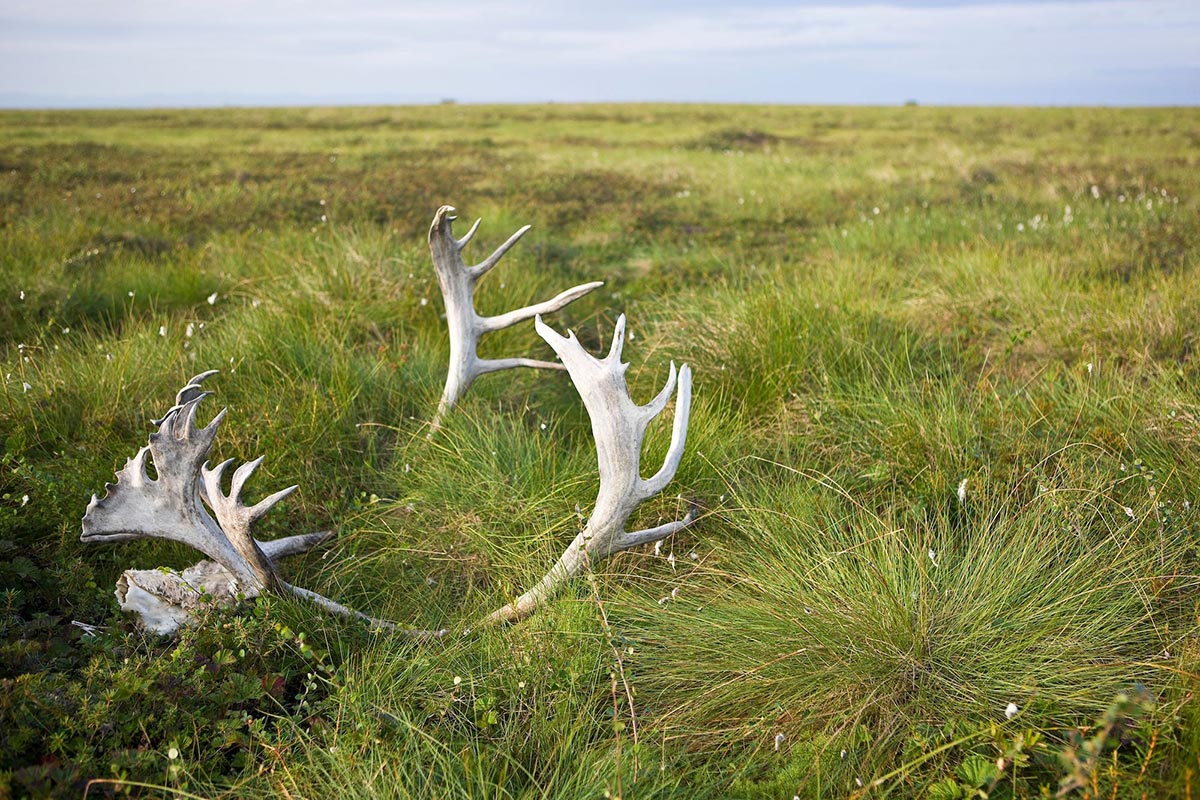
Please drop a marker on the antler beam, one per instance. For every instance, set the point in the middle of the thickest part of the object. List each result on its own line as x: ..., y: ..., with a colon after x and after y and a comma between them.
x: 619, y: 427
x: 171, y: 506
x: 457, y: 282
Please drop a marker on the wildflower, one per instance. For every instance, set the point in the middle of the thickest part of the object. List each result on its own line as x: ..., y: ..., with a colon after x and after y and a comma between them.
x: 22, y: 294
x: 521, y: 685
x: 25, y: 387
x: 543, y: 426
x: 24, y: 499
x: 212, y: 299
x: 1095, y: 192
x: 424, y: 301
x: 692, y: 555
x: 875, y: 210
x: 779, y: 737
x: 1010, y: 710
x: 933, y: 557
x: 457, y: 680
x: 191, y: 328
x: 173, y: 753
x: 130, y: 294
x: 1020, y: 227
x: 843, y: 754
x: 255, y: 303
x: 1089, y: 368
x: 67, y: 329
x: 323, y: 218
x: 1129, y: 512
x: 962, y: 491
x: 162, y: 330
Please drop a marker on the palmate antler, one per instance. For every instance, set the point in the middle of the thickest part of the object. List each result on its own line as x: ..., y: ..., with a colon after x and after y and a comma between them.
x: 171, y: 506
x: 457, y: 282
x: 618, y: 426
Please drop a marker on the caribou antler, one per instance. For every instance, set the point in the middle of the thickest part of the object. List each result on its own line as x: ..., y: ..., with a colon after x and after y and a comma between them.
x: 618, y: 426
x: 171, y: 506
x: 457, y: 282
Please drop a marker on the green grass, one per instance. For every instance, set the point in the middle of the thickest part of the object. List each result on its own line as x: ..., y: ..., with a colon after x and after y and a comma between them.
x: 878, y: 304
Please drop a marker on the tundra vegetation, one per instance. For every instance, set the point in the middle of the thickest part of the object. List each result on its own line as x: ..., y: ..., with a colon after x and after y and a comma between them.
x: 944, y: 451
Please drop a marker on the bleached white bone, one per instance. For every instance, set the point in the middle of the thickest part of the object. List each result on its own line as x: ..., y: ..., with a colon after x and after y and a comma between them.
x: 171, y: 506
x: 618, y: 427
x: 457, y: 282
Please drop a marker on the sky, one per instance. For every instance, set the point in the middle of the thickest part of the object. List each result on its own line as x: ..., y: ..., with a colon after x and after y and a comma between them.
x: 139, y: 53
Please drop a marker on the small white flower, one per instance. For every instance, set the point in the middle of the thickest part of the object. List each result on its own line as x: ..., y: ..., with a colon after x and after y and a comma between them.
x: 22, y: 294
x: 779, y: 737
x: 131, y: 294
x: 108, y: 356
x: 962, y: 491
x: 457, y: 680
x: 322, y: 218
x: 322, y: 201
x: 692, y: 555
x: 843, y: 754
x: 191, y: 328
x: 1129, y: 512
x: 67, y: 329
x: 1090, y: 367
x: 24, y: 499
x: 858, y: 782
x: 25, y: 387
x: 671, y: 560
x: 543, y: 426
x: 1010, y: 710
x: 875, y: 210
x: 255, y: 303
x: 1095, y: 192
x: 173, y: 753
x: 1021, y: 227
x: 162, y: 330
x: 424, y: 301
x: 212, y: 299
x: 933, y: 557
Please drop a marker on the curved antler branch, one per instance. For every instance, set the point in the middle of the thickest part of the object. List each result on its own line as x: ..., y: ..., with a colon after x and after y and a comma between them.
x: 619, y: 428
x: 457, y: 282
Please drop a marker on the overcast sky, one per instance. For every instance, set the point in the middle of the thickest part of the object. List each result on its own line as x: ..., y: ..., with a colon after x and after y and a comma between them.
x: 226, y: 52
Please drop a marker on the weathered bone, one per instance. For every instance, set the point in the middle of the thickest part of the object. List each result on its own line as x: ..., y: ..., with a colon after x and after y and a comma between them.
x: 457, y: 282
x: 618, y: 426
x: 171, y: 506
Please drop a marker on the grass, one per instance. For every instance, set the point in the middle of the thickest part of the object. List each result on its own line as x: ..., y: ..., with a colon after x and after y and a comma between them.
x: 946, y: 436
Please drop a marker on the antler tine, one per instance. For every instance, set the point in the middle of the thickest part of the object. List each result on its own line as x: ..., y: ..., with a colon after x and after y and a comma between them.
x: 485, y: 266
x: 465, y: 240
x: 655, y: 406
x: 619, y: 428
x: 618, y: 342
x: 189, y: 392
x: 457, y: 282
x: 683, y: 410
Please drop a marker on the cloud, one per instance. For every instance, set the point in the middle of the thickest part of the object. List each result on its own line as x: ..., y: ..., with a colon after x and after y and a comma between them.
x: 537, y: 49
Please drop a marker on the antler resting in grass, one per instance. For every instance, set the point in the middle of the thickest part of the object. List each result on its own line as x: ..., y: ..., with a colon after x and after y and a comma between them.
x: 171, y: 506
x: 457, y: 282
x: 618, y: 426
